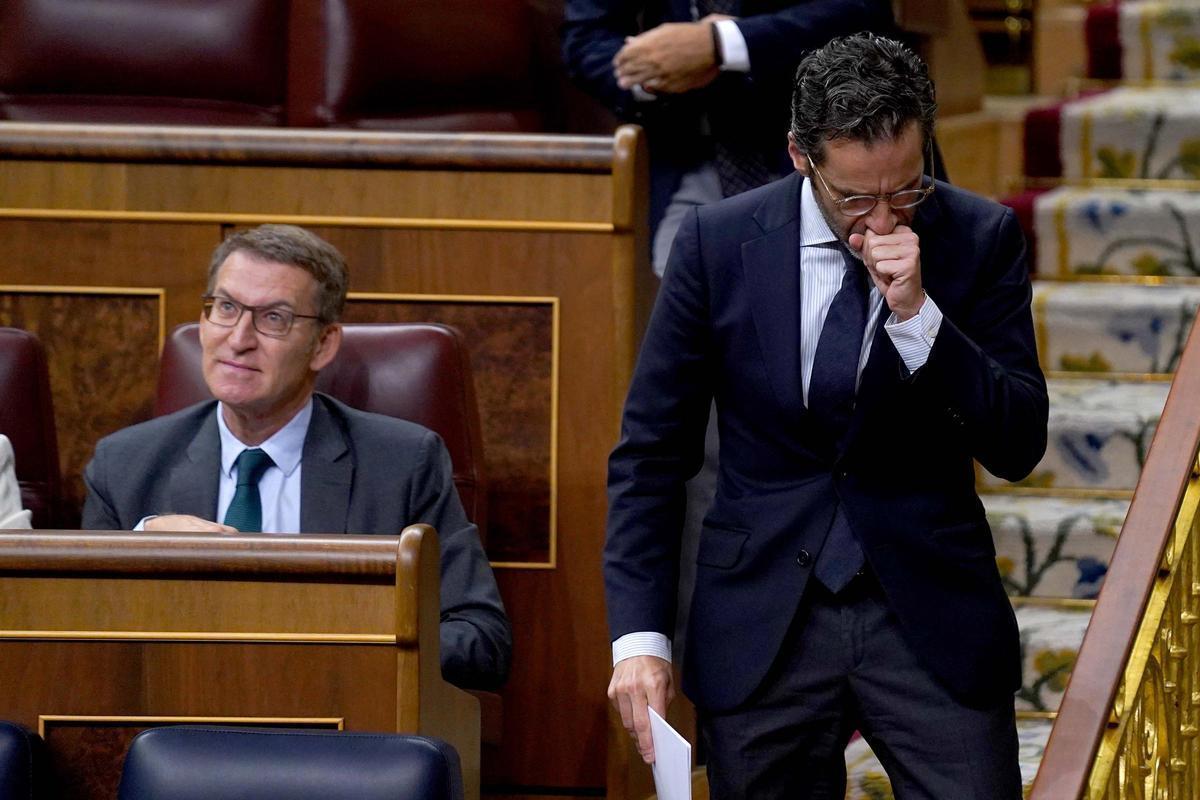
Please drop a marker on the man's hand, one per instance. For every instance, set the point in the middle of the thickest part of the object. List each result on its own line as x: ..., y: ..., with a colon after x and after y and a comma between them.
x: 636, y: 683
x: 894, y: 263
x: 669, y: 59
x: 185, y: 522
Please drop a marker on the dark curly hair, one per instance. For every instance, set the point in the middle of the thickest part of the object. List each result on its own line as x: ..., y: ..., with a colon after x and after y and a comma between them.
x: 863, y: 88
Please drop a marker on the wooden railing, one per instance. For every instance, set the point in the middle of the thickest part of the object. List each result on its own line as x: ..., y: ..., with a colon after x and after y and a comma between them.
x: 1128, y: 723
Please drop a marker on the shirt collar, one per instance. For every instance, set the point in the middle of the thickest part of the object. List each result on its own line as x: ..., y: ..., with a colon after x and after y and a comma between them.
x: 285, y: 447
x: 814, y: 230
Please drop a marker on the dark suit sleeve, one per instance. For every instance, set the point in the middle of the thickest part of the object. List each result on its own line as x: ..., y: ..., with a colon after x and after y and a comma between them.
x: 99, y: 514
x: 777, y: 41
x: 983, y: 370
x: 592, y: 33
x: 661, y: 447
x: 476, y: 639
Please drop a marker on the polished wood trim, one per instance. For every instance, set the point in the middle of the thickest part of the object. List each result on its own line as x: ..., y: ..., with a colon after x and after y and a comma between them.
x: 306, y: 147
x: 1027, y: 714
x: 199, y: 636
x: 369, y: 559
x: 43, y: 719
x: 555, y: 356
x: 116, y: 291
x: 306, y: 220
x: 1134, y: 568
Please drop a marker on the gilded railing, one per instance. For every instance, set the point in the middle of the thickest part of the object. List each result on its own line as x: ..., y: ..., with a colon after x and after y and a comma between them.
x: 1129, y: 722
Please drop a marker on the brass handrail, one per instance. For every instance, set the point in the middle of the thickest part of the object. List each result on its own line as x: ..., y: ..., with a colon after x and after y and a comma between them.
x: 1130, y: 668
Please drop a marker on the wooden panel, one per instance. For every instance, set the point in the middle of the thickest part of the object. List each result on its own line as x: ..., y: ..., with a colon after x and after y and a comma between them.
x: 512, y: 347
x: 190, y: 605
x: 298, y: 190
x: 102, y: 351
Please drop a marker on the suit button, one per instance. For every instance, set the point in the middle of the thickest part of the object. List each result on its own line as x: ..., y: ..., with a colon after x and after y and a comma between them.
x: 841, y: 474
x: 804, y: 558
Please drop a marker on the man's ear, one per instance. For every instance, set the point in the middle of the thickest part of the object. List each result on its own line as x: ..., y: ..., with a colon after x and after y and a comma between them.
x: 328, y: 342
x: 799, y: 157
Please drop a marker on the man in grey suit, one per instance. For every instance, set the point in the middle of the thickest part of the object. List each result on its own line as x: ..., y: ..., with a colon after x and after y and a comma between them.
x: 270, y: 454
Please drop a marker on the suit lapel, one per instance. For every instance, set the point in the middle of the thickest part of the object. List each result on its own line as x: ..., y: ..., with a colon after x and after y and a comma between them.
x: 772, y: 268
x: 195, y: 480
x: 326, y: 474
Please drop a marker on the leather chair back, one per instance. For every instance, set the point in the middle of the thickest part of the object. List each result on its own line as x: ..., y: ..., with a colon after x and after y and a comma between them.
x: 27, y: 419
x: 414, y: 371
x: 21, y: 773
x: 415, y: 65
x: 195, y: 62
x: 197, y: 763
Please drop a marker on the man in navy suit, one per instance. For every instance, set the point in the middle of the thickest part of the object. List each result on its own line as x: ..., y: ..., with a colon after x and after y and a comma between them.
x: 866, y: 334
x: 708, y: 80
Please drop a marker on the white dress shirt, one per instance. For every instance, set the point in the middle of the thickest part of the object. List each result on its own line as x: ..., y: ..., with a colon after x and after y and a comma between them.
x: 279, y: 487
x: 11, y: 513
x: 821, y: 270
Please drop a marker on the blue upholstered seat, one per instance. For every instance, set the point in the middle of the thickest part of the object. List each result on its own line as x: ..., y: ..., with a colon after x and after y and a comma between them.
x: 18, y: 762
x: 206, y: 763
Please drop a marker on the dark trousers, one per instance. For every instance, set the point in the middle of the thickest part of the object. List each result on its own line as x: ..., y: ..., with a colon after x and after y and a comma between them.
x: 845, y: 667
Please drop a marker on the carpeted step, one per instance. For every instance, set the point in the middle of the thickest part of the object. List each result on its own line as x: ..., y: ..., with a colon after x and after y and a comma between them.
x: 1113, y: 328
x: 1160, y: 41
x: 1132, y: 132
x: 1054, y: 546
x: 1091, y: 231
x: 1099, y: 433
x: 866, y: 779
x: 1051, y: 632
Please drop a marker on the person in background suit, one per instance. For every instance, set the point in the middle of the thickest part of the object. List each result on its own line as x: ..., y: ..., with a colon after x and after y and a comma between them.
x: 11, y: 513
x: 709, y: 80
x: 866, y: 333
x: 271, y: 455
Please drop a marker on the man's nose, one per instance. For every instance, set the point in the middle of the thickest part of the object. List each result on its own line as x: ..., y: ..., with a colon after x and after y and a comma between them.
x: 243, y: 336
x: 882, y: 219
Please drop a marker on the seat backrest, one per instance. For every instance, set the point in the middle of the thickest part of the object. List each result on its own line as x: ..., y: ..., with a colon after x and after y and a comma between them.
x: 211, y: 62
x: 27, y: 419
x: 20, y: 763
x: 197, y: 763
x: 415, y: 371
x: 416, y: 66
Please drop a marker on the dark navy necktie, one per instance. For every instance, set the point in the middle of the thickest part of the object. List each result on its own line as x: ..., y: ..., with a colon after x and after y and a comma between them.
x: 245, y: 510
x: 831, y: 389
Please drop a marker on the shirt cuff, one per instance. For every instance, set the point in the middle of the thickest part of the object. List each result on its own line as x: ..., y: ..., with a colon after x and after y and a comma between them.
x: 914, y: 337
x: 641, y: 95
x: 141, y: 526
x: 641, y: 643
x: 735, y: 56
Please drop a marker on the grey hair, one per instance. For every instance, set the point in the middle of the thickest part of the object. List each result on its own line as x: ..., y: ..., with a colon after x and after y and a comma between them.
x: 864, y: 88
x: 287, y: 244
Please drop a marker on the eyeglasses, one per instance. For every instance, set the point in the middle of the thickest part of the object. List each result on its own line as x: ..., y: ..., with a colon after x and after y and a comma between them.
x: 273, y: 321
x: 859, y: 205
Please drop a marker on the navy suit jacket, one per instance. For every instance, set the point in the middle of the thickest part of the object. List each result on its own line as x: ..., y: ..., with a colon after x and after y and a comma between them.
x: 748, y: 112
x: 726, y: 326
x: 361, y: 473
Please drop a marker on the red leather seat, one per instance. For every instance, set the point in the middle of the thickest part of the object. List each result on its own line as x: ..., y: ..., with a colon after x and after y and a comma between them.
x: 189, y: 62
x: 415, y: 65
x: 27, y: 419
x: 414, y: 371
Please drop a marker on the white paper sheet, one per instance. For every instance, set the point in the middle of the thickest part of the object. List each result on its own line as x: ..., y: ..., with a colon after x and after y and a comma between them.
x: 672, y: 766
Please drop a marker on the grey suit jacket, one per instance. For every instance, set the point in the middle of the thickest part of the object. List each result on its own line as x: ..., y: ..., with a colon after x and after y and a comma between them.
x: 362, y: 473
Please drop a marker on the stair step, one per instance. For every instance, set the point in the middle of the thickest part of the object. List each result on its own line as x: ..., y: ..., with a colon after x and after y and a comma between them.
x: 1113, y: 328
x: 1160, y: 41
x: 1050, y: 639
x: 1133, y: 132
x: 866, y: 779
x: 1099, y: 433
x: 1149, y: 234
x: 1054, y: 546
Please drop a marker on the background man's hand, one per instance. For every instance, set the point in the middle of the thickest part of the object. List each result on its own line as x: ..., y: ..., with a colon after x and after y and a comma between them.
x: 894, y: 263
x: 636, y: 683
x: 669, y: 59
x: 185, y: 522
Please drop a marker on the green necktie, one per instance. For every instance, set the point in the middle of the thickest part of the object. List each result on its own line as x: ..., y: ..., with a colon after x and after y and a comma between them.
x: 245, y: 511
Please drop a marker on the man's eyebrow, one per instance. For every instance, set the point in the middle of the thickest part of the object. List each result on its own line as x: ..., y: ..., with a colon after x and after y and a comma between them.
x: 915, y: 182
x: 219, y: 292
